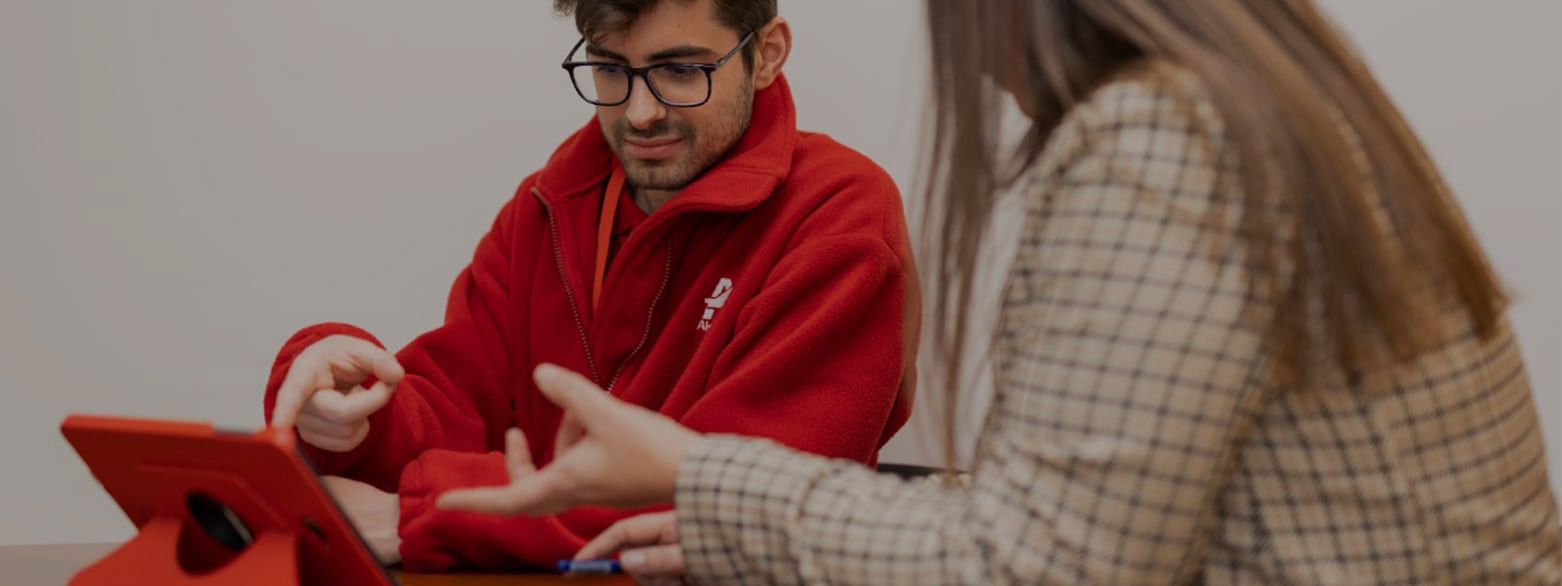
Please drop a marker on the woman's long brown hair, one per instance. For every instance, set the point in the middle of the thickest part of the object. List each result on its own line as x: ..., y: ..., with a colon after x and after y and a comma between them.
x: 1379, y: 248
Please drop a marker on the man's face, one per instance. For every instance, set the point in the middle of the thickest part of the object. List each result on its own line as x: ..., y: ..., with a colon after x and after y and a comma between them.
x: 662, y: 147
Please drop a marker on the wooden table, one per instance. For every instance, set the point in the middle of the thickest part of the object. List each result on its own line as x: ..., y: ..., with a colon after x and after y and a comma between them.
x: 53, y: 565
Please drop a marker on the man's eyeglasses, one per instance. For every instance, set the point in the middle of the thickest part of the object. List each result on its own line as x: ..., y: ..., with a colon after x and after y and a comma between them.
x: 680, y: 85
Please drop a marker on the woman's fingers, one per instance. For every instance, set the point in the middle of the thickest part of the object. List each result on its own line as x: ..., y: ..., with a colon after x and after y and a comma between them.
x: 534, y: 494
x: 570, y: 432
x: 656, y: 561
x: 517, y: 454
x: 640, y: 530
x: 576, y: 394
x: 608, y: 453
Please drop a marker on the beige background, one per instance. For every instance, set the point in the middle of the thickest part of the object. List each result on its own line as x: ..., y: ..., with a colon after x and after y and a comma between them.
x: 185, y: 182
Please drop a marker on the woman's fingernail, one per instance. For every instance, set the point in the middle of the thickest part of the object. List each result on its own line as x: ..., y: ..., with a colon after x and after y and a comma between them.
x: 632, y: 560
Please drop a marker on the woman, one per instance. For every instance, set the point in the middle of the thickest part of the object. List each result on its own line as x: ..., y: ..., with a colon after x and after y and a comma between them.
x: 1248, y: 338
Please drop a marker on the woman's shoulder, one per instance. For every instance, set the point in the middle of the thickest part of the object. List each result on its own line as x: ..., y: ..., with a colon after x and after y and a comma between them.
x: 1150, y: 111
x: 1143, y: 101
x: 1147, y: 89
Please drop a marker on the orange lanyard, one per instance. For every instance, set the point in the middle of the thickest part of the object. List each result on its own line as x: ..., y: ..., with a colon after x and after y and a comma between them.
x: 605, y: 225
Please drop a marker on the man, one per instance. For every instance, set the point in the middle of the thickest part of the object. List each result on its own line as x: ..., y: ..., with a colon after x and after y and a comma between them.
x: 688, y: 249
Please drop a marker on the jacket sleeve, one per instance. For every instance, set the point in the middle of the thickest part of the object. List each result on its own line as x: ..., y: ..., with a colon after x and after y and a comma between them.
x: 453, y: 396
x: 821, y: 360
x: 817, y: 361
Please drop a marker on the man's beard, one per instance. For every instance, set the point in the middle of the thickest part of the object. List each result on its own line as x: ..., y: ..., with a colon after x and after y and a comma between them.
x: 703, y: 152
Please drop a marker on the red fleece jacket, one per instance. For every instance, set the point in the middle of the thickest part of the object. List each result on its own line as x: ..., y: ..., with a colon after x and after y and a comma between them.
x: 774, y: 296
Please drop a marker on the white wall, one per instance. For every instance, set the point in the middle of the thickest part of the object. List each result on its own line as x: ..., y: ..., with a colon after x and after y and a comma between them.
x: 185, y: 182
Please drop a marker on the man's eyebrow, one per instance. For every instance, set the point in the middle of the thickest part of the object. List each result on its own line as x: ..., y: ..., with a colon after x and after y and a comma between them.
x: 682, y: 52
x: 679, y: 52
x: 596, y: 51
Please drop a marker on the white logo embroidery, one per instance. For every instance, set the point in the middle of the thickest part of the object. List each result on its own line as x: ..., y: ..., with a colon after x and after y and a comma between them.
x: 717, y: 299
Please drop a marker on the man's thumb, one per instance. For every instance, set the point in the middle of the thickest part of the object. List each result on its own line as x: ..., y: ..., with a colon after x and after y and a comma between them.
x: 388, y: 370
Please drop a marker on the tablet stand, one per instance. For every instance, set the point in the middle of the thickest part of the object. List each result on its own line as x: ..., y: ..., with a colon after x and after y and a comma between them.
x: 158, y: 556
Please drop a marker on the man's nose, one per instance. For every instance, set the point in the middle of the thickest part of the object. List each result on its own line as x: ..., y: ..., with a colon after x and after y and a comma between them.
x: 643, y: 109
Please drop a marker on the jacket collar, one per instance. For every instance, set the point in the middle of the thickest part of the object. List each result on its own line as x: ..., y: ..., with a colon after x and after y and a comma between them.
x: 740, y: 181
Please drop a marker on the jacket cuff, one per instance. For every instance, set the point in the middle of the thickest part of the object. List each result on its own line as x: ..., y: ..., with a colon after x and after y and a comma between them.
x: 296, y: 345
x: 326, y: 462
x: 431, y: 538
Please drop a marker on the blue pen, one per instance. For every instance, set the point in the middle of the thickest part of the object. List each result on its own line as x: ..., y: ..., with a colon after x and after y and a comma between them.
x: 590, y: 567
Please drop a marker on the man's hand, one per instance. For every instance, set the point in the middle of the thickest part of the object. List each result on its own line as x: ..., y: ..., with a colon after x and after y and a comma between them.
x: 647, y: 546
x: 323, y: 393
x: 376, y: 514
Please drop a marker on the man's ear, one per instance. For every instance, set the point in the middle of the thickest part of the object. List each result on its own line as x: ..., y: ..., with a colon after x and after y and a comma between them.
x: 772, y: 45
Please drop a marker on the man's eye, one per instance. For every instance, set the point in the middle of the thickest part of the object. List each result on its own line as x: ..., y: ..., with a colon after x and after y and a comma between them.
x: 682, y: 72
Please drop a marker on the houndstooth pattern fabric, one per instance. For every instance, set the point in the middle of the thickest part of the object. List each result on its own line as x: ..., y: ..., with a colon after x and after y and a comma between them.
x: 1135, y: 437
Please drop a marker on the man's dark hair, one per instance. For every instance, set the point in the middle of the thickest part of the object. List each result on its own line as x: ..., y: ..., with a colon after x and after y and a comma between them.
x: 595, y: 18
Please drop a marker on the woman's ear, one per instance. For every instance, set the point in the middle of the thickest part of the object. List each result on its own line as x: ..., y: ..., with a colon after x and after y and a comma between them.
x: 772, y: 45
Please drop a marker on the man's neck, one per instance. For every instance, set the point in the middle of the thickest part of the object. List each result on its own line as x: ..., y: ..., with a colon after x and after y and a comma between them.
x: 648, y: 200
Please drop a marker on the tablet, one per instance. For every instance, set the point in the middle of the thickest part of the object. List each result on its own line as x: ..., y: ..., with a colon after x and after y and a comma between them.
x: 216, y: 504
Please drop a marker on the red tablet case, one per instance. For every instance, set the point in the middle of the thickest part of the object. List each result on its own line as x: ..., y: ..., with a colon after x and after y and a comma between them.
x: 297, y: 534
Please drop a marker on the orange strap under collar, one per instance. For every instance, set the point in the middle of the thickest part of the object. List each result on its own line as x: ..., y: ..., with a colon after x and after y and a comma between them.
x: 605, y: 225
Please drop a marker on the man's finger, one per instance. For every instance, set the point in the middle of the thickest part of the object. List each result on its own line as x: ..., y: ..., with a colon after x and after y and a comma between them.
x: 366, y: 357
x: 656, y: 561
x: 333, y: 444
x: 312, y: 423
x: 636, y: 531
x: 353, y: 406
x: 326, y: 404
x: 388, y: 370
x: 294, y: 391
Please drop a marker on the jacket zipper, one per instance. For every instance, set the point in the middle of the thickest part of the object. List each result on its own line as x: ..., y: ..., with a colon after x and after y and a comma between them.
x: 558, y: 257
x: 650, y: 317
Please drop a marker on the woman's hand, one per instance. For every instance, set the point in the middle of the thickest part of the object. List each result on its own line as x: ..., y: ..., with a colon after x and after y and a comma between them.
x: 647, y: 546
x: 607, y: 452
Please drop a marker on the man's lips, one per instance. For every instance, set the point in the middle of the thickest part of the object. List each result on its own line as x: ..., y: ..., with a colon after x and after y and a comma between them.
x: 650, y: 149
